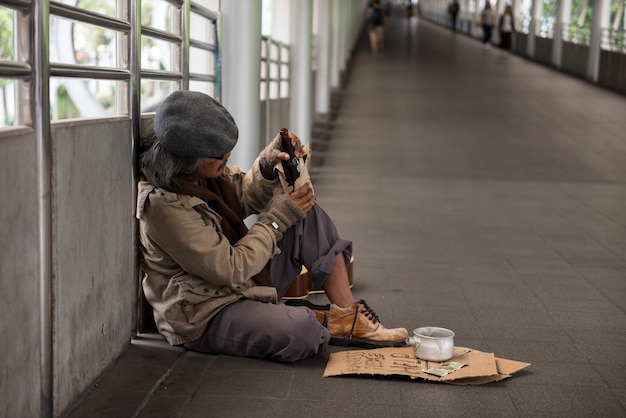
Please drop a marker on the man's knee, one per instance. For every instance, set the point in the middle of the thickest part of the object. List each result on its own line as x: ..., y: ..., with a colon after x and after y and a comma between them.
x: 299, y: 335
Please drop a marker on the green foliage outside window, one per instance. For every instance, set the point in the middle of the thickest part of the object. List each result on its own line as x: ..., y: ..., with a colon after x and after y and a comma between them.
x: 6, y: 53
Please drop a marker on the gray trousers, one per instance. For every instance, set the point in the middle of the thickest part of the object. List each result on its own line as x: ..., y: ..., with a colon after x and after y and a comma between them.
x: 250, y: 328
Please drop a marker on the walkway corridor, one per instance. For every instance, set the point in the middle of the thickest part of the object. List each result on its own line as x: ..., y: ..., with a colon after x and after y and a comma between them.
x: 484, y: 193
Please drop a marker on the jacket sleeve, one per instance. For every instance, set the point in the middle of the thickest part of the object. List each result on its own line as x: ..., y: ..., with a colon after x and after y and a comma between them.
x: 197, y: 245
x: 253, y: 189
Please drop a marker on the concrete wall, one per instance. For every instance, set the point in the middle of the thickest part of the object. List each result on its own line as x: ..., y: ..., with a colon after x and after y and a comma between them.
x: 543, y: 50
x: 92, y: 251
x: 575, y: 58
x: 612, y: 72
x: 520, y: 44
x: 19, y: 298
x: 92, y: 285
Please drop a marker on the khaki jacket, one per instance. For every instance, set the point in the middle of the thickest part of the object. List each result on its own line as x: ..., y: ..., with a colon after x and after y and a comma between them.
x: 190, y: 270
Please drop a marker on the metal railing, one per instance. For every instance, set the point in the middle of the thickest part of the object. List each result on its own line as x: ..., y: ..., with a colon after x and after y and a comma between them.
x: 611, y: 39
x: 275, y: 57
x: 127, y: 65
x: 575, y: 34
x: 275, y: 75
x: 614, y: 40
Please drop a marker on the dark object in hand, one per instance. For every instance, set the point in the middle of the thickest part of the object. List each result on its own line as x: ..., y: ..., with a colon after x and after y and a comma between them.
x: 292, y: 166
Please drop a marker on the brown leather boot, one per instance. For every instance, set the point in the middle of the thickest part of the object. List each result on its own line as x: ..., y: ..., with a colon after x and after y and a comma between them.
x: 355, y: 325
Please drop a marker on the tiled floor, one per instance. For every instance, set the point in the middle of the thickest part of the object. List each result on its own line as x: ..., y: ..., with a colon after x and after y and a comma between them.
x: 483, y: 193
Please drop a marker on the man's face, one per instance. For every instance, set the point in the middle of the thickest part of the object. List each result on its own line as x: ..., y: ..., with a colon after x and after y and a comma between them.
x: 213, y: 166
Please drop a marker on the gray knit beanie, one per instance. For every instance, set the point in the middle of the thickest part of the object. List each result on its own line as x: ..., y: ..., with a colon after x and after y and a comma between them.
x: 193, y: 124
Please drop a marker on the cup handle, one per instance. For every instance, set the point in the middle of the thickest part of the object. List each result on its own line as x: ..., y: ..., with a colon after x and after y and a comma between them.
x: 414, y: 341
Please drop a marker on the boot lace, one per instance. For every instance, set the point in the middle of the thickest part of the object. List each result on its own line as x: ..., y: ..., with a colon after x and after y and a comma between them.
x: 369, y: 312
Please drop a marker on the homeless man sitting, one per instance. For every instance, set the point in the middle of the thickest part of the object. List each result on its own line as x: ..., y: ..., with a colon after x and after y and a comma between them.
x: 215, y: 285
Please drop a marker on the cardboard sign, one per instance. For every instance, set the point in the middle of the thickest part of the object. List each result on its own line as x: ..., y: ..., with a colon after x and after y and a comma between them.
x: 477, y: 367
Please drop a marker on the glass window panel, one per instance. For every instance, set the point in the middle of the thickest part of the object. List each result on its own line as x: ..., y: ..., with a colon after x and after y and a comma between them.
x: 74, y: 42
x: 284, y: 72
x: 201, y: 61
x: 284, y: 54
x: 104, y: 7
x: 209, y: 4
x: 7, y: 39
x: 202, y: 86
x: 7, y: 101
x: 273, y: 71
x: 202, y: 29
x: 159, y: 14
x: 84, y: 98
x: 284, y: 89
x: 157, y: 54
x: 153, y: 92
x: 273, y: 90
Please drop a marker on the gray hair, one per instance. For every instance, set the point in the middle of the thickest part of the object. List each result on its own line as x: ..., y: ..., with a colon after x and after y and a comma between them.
x: 163, y: 167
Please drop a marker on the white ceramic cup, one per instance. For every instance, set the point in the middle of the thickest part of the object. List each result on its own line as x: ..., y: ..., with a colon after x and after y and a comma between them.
x: 432, y: 343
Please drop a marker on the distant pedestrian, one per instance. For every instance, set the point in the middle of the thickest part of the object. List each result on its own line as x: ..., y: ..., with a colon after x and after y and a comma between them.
x: 487, y: 21
x: 376, y: 26
x: 453, y: 11
x: 409, y: 8
x: 506, y: 26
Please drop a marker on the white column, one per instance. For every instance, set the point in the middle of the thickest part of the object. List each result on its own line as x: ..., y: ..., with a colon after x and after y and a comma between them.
x: 241, y: 75
x: 463, y: 14
x: 477, y: 12
x: 605, y: 22
x: 356, y: 11
x: 563, y: 18
x: 535, y: 13
x: 335, y: 72
x: 499, y: 9
x: 324, y: 51
x: 500, y: 5
x: 300, y: 103
x: 600, y: 19
x: 342, y: 35
x: 281, y: 26
x: 517, y: 5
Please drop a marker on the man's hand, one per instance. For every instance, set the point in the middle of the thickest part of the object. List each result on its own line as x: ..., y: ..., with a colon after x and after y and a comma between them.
x: 272, y: 153
x: 304, y: 197
x: 297, y: 144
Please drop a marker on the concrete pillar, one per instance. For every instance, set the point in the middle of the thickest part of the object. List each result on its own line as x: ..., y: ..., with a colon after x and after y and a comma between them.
x: 605, y: 23
x: 281, y: 26
x: 600, y: 19
x: 357, y: 11
x: 517, y: 5
x: 500, y: 5
x: 281, y: 32
x: 335, y: 71
x: 476, y: 19
x: 466, y: 15
x: 324, y: 51
x: 301, y: 33
x: 498, y: 9
x: 535, y: 13
x: 241, y: 75
x: 342, y: 35
x: 563, y: 18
